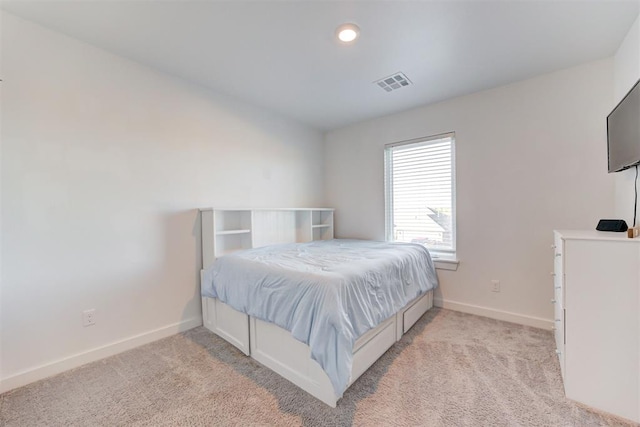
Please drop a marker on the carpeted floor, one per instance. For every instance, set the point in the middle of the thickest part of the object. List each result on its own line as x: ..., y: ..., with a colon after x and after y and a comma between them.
x: 451, y: 369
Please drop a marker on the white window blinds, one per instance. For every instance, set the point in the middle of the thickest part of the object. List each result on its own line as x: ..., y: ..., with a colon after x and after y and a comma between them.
x: 420, y: 192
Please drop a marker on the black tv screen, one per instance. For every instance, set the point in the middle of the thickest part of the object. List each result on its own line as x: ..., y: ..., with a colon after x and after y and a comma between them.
x: 623, y: 132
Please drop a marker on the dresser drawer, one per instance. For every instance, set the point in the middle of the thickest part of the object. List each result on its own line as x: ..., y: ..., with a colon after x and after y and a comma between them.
x: 558, y: 324
x: 558, y: 291
x: 558, y: 261
x: 558, y: 299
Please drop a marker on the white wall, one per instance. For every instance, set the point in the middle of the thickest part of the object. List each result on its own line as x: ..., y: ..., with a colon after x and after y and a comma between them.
x: 1, y: 274
x: 104, y: 162
x: 531, y: 157
x: 626, y: 73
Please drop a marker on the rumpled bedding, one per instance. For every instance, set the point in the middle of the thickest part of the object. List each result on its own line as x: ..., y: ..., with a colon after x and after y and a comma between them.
x: 327, y: 293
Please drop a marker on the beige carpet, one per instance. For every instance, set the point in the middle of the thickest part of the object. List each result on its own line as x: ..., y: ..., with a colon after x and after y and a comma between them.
x: 451, y: 369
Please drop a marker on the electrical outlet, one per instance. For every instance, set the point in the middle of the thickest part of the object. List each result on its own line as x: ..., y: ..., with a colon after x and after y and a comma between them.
x: 495, y: 286
x: 89, y: 317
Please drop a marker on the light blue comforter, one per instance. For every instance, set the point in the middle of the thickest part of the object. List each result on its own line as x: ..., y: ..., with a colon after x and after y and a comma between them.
x: 326, y: 293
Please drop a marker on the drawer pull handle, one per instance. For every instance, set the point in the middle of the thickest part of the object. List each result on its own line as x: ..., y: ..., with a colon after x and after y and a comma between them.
x: 558, y: 352
x: 558, y: 287
x: 553, y: 246
x: 558, y: 254
x: 558, y: 320
x: 553, y: 301
x: 552, y: 274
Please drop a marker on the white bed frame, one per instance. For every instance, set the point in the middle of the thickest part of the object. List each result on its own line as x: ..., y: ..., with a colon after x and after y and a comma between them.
x: 227, y: 230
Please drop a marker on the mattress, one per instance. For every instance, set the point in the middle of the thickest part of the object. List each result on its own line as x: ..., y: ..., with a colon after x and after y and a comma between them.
x: 326, y: 293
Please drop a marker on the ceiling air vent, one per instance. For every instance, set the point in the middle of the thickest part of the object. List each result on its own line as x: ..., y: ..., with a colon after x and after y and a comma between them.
x: 393, y: 82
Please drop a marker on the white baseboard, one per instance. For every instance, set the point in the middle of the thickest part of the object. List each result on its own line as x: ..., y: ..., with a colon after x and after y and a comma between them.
x: 507, y: 316
x: 34, y: 374
x: 67, y: 363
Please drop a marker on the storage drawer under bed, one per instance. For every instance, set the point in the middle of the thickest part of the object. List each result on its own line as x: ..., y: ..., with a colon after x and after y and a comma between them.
x: 415, y: 312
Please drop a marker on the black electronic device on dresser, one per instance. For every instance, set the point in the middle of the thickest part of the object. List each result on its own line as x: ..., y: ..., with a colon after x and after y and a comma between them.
x: 618, y: 225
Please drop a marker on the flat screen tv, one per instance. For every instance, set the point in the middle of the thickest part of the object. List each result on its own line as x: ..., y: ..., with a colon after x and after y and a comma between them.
x: 623, y: 132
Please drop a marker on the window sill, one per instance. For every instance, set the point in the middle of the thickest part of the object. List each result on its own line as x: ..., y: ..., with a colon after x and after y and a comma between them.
x: 445, y: 262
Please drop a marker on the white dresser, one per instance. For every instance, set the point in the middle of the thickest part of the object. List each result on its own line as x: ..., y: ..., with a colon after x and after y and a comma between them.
x: 597, y: 319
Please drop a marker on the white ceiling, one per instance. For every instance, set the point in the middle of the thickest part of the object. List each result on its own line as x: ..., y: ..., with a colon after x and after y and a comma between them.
x: 282, y: 55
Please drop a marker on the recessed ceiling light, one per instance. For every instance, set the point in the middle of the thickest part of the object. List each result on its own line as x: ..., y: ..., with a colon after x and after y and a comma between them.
x: 348, y: 32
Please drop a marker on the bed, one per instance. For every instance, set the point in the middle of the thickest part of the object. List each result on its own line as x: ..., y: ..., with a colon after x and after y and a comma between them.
x: 317, y: 311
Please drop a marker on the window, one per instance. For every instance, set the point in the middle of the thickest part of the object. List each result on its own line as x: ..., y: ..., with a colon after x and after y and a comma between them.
x: 420, y: 193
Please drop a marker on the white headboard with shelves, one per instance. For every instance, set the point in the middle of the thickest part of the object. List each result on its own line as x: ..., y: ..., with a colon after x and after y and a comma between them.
x: 228, y: 230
